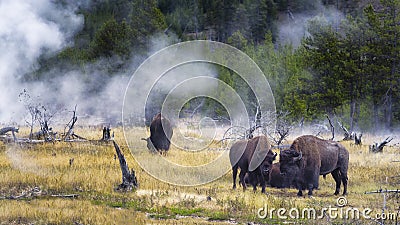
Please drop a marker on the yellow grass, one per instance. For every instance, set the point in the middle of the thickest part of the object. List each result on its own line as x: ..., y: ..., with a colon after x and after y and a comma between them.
x: 95, y: 173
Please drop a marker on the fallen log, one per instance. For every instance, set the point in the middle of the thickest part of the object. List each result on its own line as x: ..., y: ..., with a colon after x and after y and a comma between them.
x: 378, y: 147
x: 6, y: 139
x: 128, y: 177
x: 382, y: 191
x: 66, y: 196
x: 5, y: 130
x: 13, y: 130
x: 79, y: 137
x: 76, y: 140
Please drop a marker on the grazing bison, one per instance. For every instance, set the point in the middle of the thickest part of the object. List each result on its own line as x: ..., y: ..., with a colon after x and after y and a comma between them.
x: 253, y: 156
x: 309, y: 157
x: 160, y: 134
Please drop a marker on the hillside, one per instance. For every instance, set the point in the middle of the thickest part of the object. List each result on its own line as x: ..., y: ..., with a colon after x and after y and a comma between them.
x: 337, y: 58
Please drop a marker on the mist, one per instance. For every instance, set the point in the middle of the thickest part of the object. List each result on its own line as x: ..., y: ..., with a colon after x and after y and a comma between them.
x: 293, y: 26
x: 30, y: 30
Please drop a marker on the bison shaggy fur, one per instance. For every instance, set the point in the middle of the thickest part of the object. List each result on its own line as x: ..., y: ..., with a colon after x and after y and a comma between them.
x: 309, y: 157
x: 160, y: 134
x: 275, y: 178
x: 278, y: 180
x: 253, y: 156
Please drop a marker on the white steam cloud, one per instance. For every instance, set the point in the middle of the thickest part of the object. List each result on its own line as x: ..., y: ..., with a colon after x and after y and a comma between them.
x: 293, y: 26
x: 32, y: 29
x: 28, y: 29
x: 36, y: 28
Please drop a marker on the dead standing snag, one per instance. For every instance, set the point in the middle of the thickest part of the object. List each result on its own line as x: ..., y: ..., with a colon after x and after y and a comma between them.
x: 128, y: 177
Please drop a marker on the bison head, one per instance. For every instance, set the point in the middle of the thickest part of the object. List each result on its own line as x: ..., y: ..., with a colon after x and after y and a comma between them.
x: 289, y: 161
x: 266, y: 165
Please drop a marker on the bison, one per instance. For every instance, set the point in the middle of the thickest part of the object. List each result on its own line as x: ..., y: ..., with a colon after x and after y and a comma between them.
x: 160, y: 134
x: 278, y: 180
x: 253, y: 156
x: 309, y: 156
x: 275, y: 178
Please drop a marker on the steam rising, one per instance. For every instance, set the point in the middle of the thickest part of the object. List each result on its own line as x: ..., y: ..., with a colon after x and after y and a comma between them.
x: 30, y: 30
x: 293, y: 26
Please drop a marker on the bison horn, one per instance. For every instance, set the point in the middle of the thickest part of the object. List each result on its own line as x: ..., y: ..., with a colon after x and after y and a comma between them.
x: 144, y: 139
x: 298, y: 157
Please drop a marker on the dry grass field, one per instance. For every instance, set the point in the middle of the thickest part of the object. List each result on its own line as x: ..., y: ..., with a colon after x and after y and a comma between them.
x: 40, y: 177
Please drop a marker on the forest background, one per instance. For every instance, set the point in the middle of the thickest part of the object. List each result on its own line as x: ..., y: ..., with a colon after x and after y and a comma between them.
x: 332, y: 57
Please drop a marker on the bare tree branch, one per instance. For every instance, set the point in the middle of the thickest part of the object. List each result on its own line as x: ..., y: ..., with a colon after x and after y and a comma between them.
x: 332, y: 127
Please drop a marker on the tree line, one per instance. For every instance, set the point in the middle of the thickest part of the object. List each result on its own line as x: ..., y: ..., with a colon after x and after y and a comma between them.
x: 348, y: 69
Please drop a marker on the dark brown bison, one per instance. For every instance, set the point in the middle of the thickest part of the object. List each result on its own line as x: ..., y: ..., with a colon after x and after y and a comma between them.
x: 160, y: 134
x: 278, y: 180
x: 275, y: 178
x: 253, y: 156
x: 309, y: 157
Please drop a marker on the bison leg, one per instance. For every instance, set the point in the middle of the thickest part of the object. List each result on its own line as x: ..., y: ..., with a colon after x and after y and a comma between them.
x: 254, y: 184
x: 234, y: 174
x: 300, y: 193
x: 241, y: 177
x: 310, y: 189
x: 344, y: 180
x: 337, y: 177
x: 263, y: 184
x: 253, y: 180
x: 300, y: 188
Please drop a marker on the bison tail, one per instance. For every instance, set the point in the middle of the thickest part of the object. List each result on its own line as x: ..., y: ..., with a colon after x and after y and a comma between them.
x: 324, y: 176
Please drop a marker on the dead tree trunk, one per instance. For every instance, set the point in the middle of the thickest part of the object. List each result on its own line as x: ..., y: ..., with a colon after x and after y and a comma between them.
x: 332, y: 127
x: 357, y: 140
x: 128, y: 177
x: 347, y: 134
x: 13, y: 130
x: 378, y: 147
x: 255, y: 124
x: 282, y: 128
x: 71, y: 124
x: 106, y: 134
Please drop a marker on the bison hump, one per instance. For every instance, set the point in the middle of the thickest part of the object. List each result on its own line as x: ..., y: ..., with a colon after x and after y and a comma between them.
x: 236, y: 151
x: 260, y: 153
